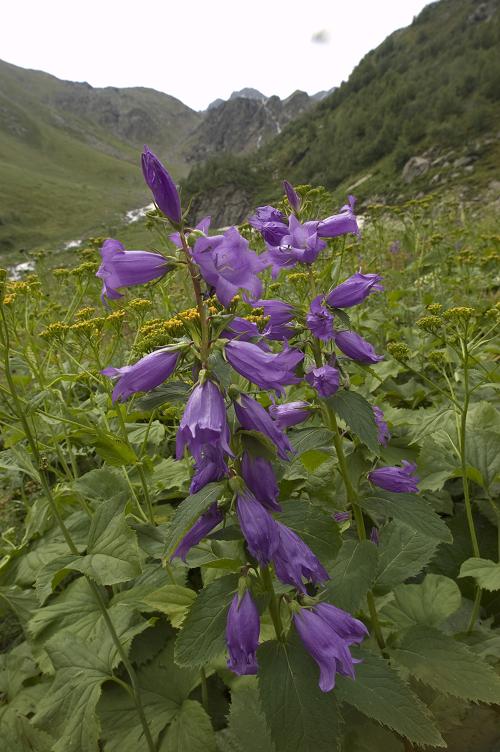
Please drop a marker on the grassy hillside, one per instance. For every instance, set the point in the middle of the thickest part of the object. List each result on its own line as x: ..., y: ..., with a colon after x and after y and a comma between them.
x: 432, y: 86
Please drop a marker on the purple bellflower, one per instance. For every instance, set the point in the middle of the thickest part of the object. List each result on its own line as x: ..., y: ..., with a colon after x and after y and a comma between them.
x: 374, y: 536
x: 339, y: 224
x: 161, y: 186
x: 356, y: 348
x: 292, y: 196
x: 300, y: 244
x: 242, y: 635
x: 397, y: 479
x: 258, y: 474
x: 290, y: 413
x: 383, y: 434
x: 320, y: 320
x: 327, y: 632
x: 271, y: 224
x: 294, y: 560
x: 204, y: 421
x: 204, y: 525
x: 146, y: 374
x: 121, y: 268
x: 280, y: 315
x: 354, y: 290
x: 227, y: 264
x: 258, y: 527
x: 203, y: 226
x: 267, y: 370
x: 241, y: 329
x: 324, y: 379
x: 253, y: 417
x: 341, y: 517
x: 210, y: 466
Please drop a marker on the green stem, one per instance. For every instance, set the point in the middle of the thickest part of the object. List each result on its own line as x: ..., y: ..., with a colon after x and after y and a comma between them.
x: 274, y: 607
x: 204, y: 690
x: 200, y: 305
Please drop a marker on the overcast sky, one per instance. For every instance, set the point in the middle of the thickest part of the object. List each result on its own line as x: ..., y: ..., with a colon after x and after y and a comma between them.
x: 199, y: 50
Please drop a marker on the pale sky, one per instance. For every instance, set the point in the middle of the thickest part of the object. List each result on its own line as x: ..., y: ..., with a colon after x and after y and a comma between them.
x: 198, y: 51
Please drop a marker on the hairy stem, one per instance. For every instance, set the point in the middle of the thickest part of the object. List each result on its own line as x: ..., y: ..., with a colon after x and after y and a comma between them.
x: 274, y: 606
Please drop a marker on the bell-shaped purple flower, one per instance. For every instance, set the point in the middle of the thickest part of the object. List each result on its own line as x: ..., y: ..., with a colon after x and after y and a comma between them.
x: 324, y: 379
x: 267, y: 370
x: 354, y: 290
x: 161, y: 186
x: 340, y: 224
x: 356, y: 348
x: 271, y: 224
x: 280, y: 315
x: 203, y: 226
x: 320, y: 319
x: 227, y: 264
x: 242, y: 329
x: 294, y: 560
x: 301, y: 244
x: 258, y: 527
x: 121, y: 268
x: 326, y: 636
x: 204, y: 421
x: 374, y: 536
x: 258, y: 474
x: 383, y: 434
x: 210, y: 466
x: 146, y: 374
x: 253, y: 417
x: 242, y: 635
x: 201, y: 528
x: 397, y: 479
x: 341, y: 517
x: 292, y: 196
x: 290, y: 413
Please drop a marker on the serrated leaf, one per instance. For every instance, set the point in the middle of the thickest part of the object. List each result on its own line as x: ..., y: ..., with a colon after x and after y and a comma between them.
x: 357, y: 412
x: 188, y: 512
x: 316, y: 528
x: 305, y: 439
x: 430, y: 602
x: 379, y: 693
x: 483, y: 453
x: 170, y: 478
x: 247, y: 728
x: 447, y: 665
x: 175, y: 392
x: 172, y: 600
x: 353, y: 573
x: 190, y: 730
x: 485, y: 572
x: 22, y: 602
x: 105, y: 483
x: 300, y: 717
x: 403, y: 553
x: 410, y: 509
x: 202, y: 637
x: 19, y: 735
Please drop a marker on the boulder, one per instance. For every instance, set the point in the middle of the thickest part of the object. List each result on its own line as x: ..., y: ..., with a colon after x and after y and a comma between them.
x: 414, y: 168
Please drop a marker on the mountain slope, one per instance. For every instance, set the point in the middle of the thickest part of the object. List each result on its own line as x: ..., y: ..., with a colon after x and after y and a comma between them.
x: 431, y: 87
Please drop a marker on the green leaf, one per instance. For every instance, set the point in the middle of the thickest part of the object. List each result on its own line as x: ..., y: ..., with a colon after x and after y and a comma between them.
x: 19, y: 735
x: 172, y: 600
x: 68, y: 709
x: 358, y: 414
x: 363, y: 735
x: 22, y: 602
x: 446, y: 665
x: 353, y: 574
x: 403, y: 553
x: 430, y: 602
x: 188, y: 512
x: 315, y: 527
x: 202, y: 637
x: 437, y: 463
x: 483, y: 453
x: 190, y: 730
x: 306, y: 439
x: 410, y: 509
x: 170, y: 478
x: 300, y: 717
x: 485, y: 572
x: 247, y: 729
x: 175, y: 392
x: 380, y: 693
x: 109, y: 447
x: 105, y: 483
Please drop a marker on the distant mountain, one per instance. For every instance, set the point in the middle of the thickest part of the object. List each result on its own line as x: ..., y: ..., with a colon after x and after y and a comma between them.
x: 420, y: 112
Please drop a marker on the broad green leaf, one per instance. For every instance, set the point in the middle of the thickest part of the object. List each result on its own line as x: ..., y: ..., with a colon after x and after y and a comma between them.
x: 314, y: 526
x: 105, y: 483
x: 353, y: 573
x: 172, y: 600
x: 300, y: 717
x: 314, y: 458
x: 170, y: 478
x: 188, y: 512
x: 446, y: 665
x: 381, y: 694
x: 483, y: 453
x: 190, y: 730
x: 108, y: 446
x: 437, y: 463
x: 68, y: 709
x: 247, y: 727
x: 363, y: 735
x: 19, y: 735
x: 430, y: 602
x: 153, y: 433
x: 485, y: 572
x: 22, y: 602
x: 175, y: 392
x: 357, y: 412
x: 202, y: 637
x: 32, y: 562
x: 403, y: 553
x: 410, y: 509
x: 306, y: 439
x: 16, y: 667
